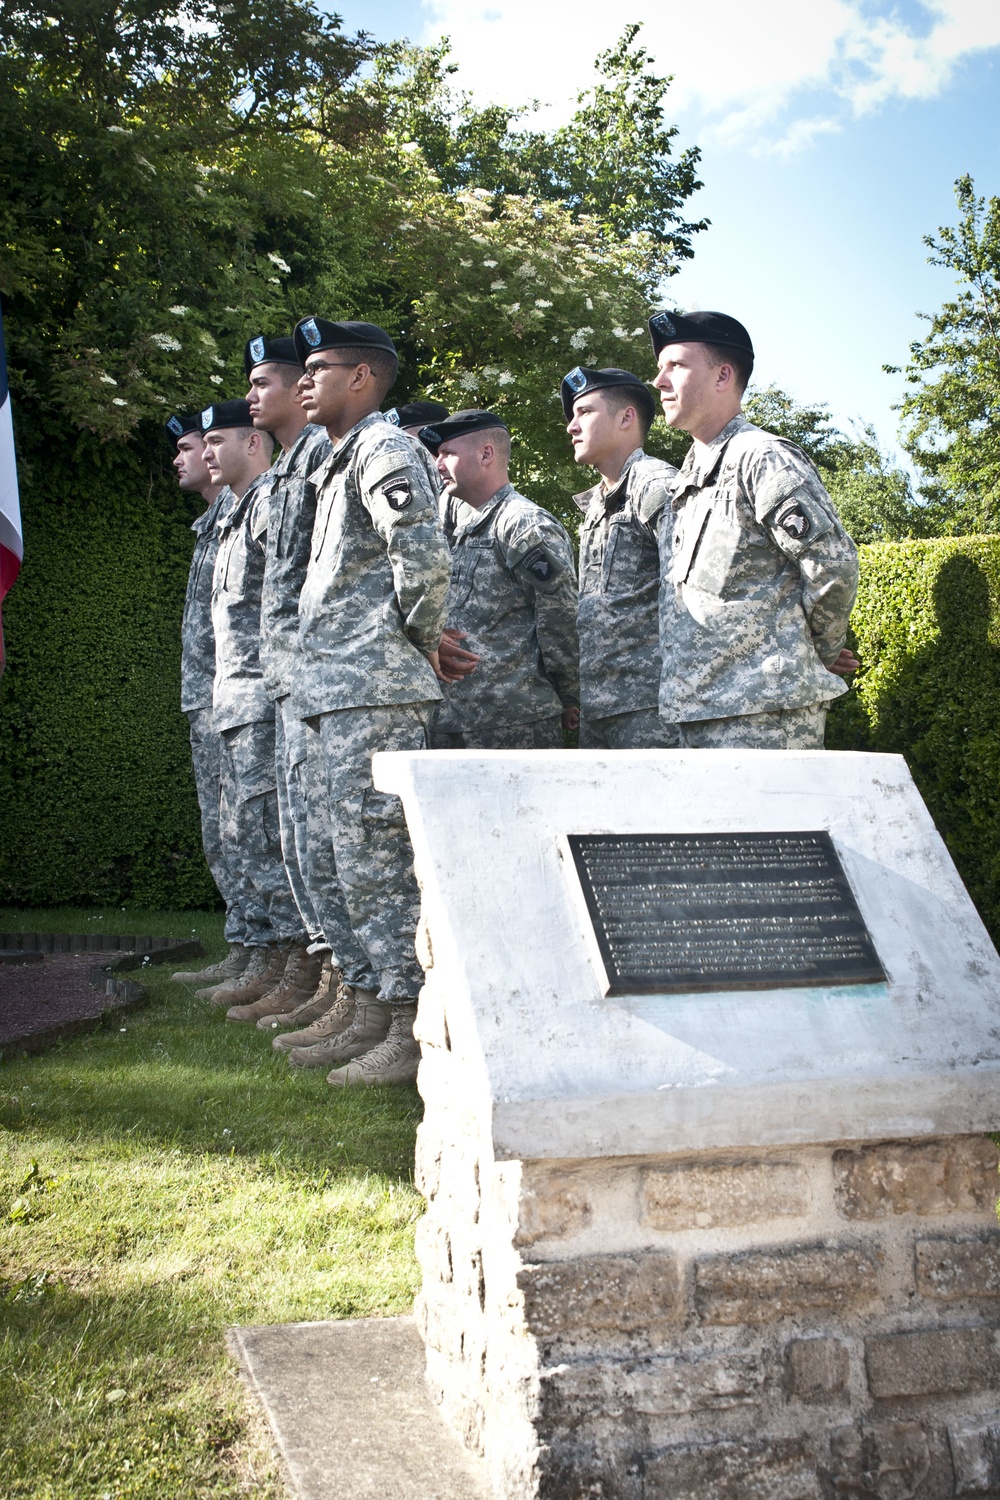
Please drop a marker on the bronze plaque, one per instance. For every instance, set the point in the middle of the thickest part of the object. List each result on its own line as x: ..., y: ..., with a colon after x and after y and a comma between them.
x: 677, y: 912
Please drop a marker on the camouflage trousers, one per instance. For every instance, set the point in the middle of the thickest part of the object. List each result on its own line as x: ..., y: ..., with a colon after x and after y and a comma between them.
x: 782, y: 729
x: 642, y: 729
x: 290, y: 776
x: 251, y: 834
x: 206, y: 758
x: 544, y: 734
x: 367, y: 830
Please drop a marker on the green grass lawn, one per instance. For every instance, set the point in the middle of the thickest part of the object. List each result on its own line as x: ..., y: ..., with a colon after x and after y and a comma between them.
x: 160, y: 1180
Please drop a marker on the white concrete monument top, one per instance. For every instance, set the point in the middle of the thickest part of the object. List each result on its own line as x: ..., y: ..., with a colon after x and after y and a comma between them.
x: 566, y: 1071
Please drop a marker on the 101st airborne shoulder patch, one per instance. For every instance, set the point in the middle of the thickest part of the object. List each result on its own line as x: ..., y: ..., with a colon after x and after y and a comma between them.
x: 539, y: 565
x: 795, y: 521
x: 397, y: 492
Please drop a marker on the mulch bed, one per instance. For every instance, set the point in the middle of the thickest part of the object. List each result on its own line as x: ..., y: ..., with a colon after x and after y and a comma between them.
x: 42, y: 1003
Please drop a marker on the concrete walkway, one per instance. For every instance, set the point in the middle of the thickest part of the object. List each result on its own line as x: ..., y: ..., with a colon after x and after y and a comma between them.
x: 351, y: 1414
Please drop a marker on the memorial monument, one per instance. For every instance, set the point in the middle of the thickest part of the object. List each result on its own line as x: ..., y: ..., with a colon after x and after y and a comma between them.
x: 711, y: 1040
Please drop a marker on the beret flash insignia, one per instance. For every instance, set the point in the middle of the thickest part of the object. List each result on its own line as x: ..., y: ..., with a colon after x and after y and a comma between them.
x: 206, y: 418
x: 311, y: 333
x: 176, y: 426
x: 257, y: 349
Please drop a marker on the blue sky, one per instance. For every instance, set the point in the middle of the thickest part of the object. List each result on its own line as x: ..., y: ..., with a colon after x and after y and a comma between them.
x: 831, y: 133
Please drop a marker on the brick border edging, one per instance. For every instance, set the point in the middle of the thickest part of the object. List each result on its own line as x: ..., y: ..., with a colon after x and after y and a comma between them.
x: 122, y: 994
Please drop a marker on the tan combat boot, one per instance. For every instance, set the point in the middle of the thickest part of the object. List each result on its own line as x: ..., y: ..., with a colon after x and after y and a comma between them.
x: 256, y: 965
x: 227, y: 968
x: 369, y: 1027
x: 249, y: 987
x: 311, y: 1009
x: 298, y: 982
x: 394, y: 1060
x: 314, y: 1047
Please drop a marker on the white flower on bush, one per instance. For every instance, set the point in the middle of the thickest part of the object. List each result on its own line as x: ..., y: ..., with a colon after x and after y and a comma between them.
x: 164, y: 341
x: 590, y: 305
x: 580, y: 337
x: 637, y: 331
x: 274, y: 280
x: 497, y: 286
x: 513, y: 307
x: 620, y: 333
x: 306, y: 193
x: 179, y: 310
x: 119, y: 402
x: 505, y: 378
x: 118, y: 130
x: 465, y: 262
x: 468, y: 381
x: 215, y: 380
x: 541, y: 302
x: 276, y: 260
x: 107, y: 379
x: 490, y: 264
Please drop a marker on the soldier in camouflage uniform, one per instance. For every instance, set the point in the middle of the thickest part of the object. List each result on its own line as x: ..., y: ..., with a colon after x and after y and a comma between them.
x: 243, y: 712
x: 512, y: 599
x: 371, y: 614
x: 759, y: 576
x: 197, y: 678
x: 308, y: 984
x: 609, y: 413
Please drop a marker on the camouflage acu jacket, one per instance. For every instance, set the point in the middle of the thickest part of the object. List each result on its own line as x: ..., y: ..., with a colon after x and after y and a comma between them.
x: 619, y: 588
x: 287, y: 542
x: 197, y: 635
x: 240, y: 695
x: 373, y: 601
x: 513, y: 593
x: 759, y: 579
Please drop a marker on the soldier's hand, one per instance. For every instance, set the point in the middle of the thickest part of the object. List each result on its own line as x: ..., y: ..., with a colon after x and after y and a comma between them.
x: 571, y: 718
x: 455, y: 661
x: 845, y: 664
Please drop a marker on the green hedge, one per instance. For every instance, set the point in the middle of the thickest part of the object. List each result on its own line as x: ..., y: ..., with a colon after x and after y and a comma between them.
x: 95, y: 780
x: 927, y: 629
x: 95, y: 777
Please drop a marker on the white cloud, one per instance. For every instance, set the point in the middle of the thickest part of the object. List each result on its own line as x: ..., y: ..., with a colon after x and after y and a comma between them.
x: 770, y: 77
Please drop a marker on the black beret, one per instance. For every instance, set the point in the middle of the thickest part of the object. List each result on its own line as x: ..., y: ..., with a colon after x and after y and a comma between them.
x: 698, y: 328
x: 581, y: 380
x: 176, y: 426
x: 263, y: 351
x: 416, y: 413
x: 313, y: 334
x: 457, y: 425
x: 226, y: 414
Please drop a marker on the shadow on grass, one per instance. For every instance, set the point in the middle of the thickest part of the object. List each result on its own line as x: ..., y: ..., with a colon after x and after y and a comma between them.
x: 178, y: 1075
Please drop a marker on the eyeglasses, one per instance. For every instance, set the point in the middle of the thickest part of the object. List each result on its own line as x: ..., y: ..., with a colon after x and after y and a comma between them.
x: 311, y: 371
x: 576, y: 380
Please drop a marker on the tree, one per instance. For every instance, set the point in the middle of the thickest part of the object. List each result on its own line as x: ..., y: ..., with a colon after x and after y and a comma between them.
x: 951, y: 411
x: 873, y: 496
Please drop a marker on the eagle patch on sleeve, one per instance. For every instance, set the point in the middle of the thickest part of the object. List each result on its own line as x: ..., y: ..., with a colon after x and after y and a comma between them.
x: 795, y: 522
x: 539, y: 565
x: 397, y: 492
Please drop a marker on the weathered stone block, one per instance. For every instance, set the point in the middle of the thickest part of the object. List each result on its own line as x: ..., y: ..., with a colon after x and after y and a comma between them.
x: 716, y: 1195
x: 575, y: 1395
x: 761, y: 1287
x: 618, y: 1293
x: 975, y: 1454
x: 433, y: 1248
x: 782, y: 1469
x: 955, y: 1175
x: 932, y: 1362
x: 553, y: 1205
x: 886, y: 1461
x: 950, y: 1269
x: 816, y: 1369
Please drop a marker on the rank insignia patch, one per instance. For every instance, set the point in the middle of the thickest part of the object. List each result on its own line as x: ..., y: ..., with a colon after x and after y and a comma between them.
x: 397, y: 494
x: 392, y: 415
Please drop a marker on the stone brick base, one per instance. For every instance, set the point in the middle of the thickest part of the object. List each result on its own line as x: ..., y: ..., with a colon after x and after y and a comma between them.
x: 813, y: 1322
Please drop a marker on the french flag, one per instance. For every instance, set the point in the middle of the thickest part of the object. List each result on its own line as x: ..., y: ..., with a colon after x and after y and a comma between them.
x: 11, y: 546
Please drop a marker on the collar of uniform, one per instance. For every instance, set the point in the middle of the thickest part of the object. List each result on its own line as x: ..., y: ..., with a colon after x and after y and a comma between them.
x: 598, y: 492
x: 210, y: 514
x: 471, y: 517
x: 286, y: 460
x: 347, y: 441
x: 696, y: 471
x: 235, y: 513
